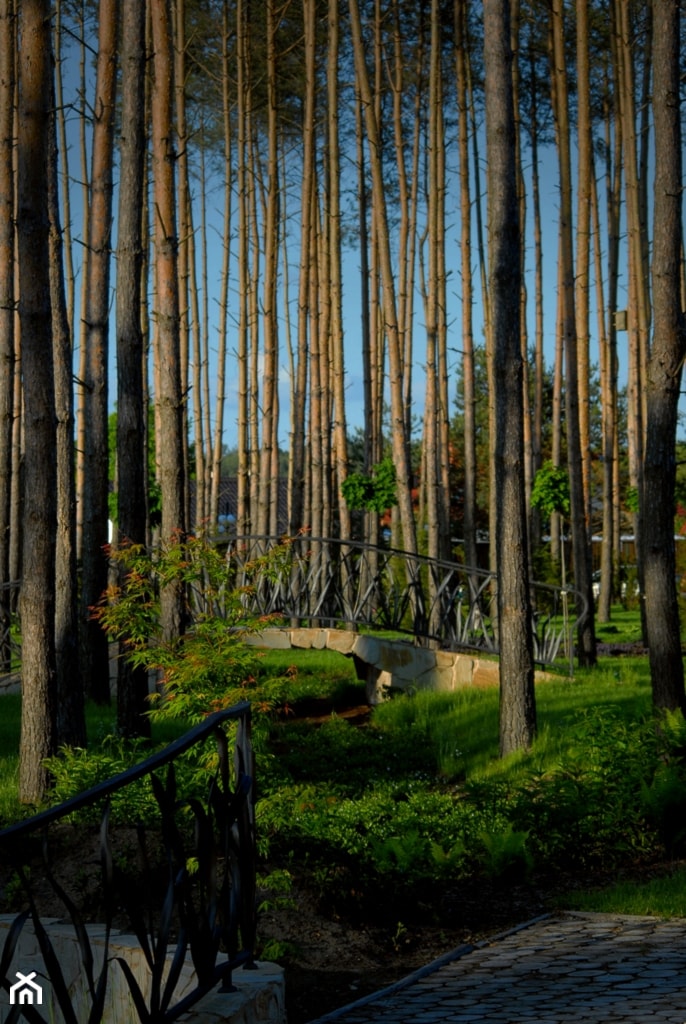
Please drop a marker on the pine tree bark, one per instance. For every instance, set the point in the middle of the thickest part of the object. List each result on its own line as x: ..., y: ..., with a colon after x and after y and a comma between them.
x: 39, y: 696
x: 243, y: 520
x: 664, y: 370
x: 585, y: 173
x: 71, y: 718
x: 340, y: 433
x: 469, y: 499
x: 94, y: 653
x: 399, y: 438
x: 169, y: 397
x: 7, y: 310
x: 132, y: 468
x: 517, y: 696
x: 580, y: 536
x: 267, y: 486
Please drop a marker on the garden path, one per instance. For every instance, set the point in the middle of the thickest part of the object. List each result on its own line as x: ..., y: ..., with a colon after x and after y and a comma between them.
x: 568, y: 969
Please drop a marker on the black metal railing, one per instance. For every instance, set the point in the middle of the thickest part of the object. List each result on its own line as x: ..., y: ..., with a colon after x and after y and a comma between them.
x: 199, y: 853
x: 9, y: 648
x: 335, y: 583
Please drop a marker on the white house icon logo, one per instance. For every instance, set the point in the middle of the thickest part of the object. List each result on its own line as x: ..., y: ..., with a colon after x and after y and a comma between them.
x: 26, y: 990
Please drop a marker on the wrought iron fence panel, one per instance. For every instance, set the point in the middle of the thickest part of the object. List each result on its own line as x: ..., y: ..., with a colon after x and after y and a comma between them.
x: 9, y: 647
x: 321, y: 581
x: 206, y: 850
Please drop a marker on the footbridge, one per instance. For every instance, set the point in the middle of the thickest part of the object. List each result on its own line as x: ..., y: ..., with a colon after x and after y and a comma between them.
x: 323, y: 583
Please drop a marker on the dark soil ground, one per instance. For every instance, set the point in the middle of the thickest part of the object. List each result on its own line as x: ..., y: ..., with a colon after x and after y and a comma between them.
x: 332, y: 961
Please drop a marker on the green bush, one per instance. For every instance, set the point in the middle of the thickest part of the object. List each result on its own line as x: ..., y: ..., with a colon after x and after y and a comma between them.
x: 209, y: 667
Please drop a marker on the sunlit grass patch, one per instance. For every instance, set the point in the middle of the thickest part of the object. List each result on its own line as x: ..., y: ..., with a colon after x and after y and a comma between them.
x: 661, y: 896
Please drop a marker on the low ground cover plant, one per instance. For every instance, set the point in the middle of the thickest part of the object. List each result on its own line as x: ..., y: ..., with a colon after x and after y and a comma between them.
x: 418, y: 796
x: 411, y: 797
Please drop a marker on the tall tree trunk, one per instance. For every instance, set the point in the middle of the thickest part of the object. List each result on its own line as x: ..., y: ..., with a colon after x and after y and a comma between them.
x: 243, y: 113
x: 608, y: 400
x: 7, y: 309
x: 169, y: 397
x: 583, y: 255
x: 637, y: 312
x: 39, y: 697
x: 187, y: 289
x: 664, y: 370
x: 340, y: 434
x: 94, y: 654
x: 580, y: 539
x: 539, y: 362
x: 434, y: 453
x: 300, y: 448
x: 63, y: 148
x: 82, y: 373
x: 517, y: 696
x: 399, y: 439
x: 267, y: 485
x: 71, y: 718
x: 132, y: 462
x: 469, y: 499
x: 226, y: 264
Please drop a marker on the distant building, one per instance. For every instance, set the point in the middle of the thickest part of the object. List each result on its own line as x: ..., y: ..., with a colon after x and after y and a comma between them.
x: 228, y: 505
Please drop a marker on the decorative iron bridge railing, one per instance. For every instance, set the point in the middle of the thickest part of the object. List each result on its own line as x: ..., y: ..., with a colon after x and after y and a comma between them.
x: 197, y: 855
x: 335, y: 583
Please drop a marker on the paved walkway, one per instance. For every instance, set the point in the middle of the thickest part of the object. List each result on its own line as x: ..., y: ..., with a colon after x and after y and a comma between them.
x: 580, y: 968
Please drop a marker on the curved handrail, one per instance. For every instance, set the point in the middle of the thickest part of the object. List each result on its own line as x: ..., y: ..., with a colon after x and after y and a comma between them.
x: 215, y: 921
x: 325, y: 581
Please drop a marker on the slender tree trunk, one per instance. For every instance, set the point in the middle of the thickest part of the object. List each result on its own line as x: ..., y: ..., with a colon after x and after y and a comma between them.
x: 434, y: 454
x: 7, y: 309
x: 169, y: 398
x: 243, y: 89
x: 132, y: 467
x: 637, y: 312
x: 304, y: 322
x: 226, y: 266
x: 486, y: 306
x: 85, y: 259
x: 399, y: 439
x: 63, y: 148
x: 608, y: 391
x: 340, y: 434
x: 94, y: 654
x: 580, y: 539
x: 39, y: 696
x: 557, y: 539
x: 517, y: 696
x: 583, y: 256
x: 267, y: 485
x: 71, y: 719
x: 470, y: 468
x: 664, y: 370
x: 539, y: 362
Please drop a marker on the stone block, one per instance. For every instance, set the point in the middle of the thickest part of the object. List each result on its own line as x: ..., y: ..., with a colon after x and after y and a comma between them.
x: 378, y: 686
x: 367, y: 648
x: 405, y: 661
x: 438, y: 679
x: 463, y: 670
x: 259, y: 995
x: 306, y: 639
x: 486, y: 673
x: 341, y: 640
x: 273, y: 639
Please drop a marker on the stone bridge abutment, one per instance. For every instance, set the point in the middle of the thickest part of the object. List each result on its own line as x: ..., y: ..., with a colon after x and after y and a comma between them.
x: 386, y: 664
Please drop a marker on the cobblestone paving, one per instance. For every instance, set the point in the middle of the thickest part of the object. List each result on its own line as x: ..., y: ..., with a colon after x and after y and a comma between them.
x: 567, y: 969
